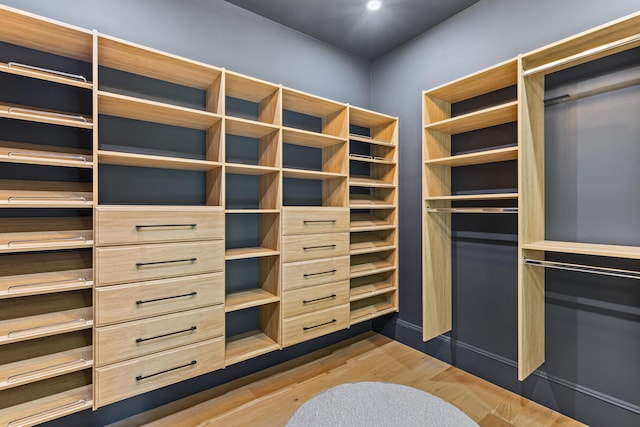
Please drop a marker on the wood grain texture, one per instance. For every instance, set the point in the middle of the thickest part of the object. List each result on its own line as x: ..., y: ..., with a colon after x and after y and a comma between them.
x: 270, y: 397
x: 314, y: 298
x: 488, y: 117
x: 477, y: 158
x: 617, y: 251
x: 312, y: 325
x: 314, y: 246
x: 297, y: 275
x: 306, y: 220
x: 46, y: 155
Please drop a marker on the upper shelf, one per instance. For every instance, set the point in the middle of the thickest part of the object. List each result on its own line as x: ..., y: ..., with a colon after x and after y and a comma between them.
x: 248, y: 128
x: 54, y: 76
x: 309, y: 139
x: 469, y: 197
x: 371, y: 159
x: 47, y: 194
x: 367, y: 118
x: 248, y: 88
x: 488, y: 117
x: 478, y: 158
x: 136, y: 59
x: 370, y: 140
x: 36, y: 32
x: 488, y: 80
x: 308, y: 174
x: 149, y: 161
x: 312, y: 105
x: 31, y: 114
x: 157, y: 112
x: 630, y: 252
x: 47, y: 155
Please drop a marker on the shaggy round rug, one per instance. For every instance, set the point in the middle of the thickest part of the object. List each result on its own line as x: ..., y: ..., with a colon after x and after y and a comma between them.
x: 370, y: 404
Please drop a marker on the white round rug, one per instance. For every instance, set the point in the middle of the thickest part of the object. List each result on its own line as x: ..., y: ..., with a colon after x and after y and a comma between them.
x: 371, y: 404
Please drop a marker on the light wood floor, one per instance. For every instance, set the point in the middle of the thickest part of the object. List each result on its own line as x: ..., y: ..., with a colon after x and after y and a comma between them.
x: 270, y: 397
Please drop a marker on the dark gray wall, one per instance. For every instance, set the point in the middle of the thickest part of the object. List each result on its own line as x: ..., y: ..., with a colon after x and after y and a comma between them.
x: 220, y: 34
x: 592, y: 371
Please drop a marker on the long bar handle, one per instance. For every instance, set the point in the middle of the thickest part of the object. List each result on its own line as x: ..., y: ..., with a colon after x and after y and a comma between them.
x: 191, y: 329
x: 143, y: 264
x: 318, y: 274
x: 31, y: 112
x: 18, y: 421
x: 190, y: 294
x: 141, y: 227
x: 306, y: 328
x: 41, y: 284
x: 53, y: 325
x: 47, y: 70
x: 35, y: 372
x: 186, y: 365
x: 51, y: 240
x: 319, y: 221
x: 309, y: 301
x: 46, y: 155
x: 580, y: 268
x: 308, y: 248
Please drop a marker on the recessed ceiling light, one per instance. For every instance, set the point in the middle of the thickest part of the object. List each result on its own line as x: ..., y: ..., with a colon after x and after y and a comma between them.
x: 374, y: 5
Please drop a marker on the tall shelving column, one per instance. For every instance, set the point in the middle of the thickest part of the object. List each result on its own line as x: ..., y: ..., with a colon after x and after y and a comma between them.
x: 253, y: 117
x: 609, y: 39
x: 439, y: 157
x: 373, y: 174
x: 160, y: 220
x: 46, y: 225
x: 315, y: 223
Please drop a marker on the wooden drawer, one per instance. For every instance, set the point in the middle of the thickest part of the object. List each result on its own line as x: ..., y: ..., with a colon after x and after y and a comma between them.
x: 314, y: 298
x: 134, y: 339
x: 302, y: 328
x: 133, y: 377
x: 147, y: 262
x: 297, y: 275
x: 314, y: 246
x: 122, y: 303
x: 314, y: 220
x: 132, y: 225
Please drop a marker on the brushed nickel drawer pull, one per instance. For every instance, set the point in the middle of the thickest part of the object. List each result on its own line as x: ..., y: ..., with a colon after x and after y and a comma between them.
x: 38, y: 113
x: 17, y: 288
x: 308, y: 248
x: 319, y: 221
x: 52, y: 240
x: 53, y: 325
x: 322, y: 272
x: 146, y: 301
x: 143, y: 264
x: 309, y: 301
x: 191, y: 329
x: 139, y: 227
x: 306, y: 328
x: 46, y: 155
x: 47, y: 70
x: 186, y: 365
x: 36, y: 372
x: 17, y: 421
x: 41, y: 198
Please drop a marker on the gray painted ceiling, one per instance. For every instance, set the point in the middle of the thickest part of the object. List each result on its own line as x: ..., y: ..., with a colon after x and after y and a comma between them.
x: 348, y: 24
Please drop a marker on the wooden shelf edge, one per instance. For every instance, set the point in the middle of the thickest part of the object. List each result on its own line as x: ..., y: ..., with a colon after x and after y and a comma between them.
x: 247, y: 299
x: 153, y: 161
x: 308, y: 174
x: 488, y: 117
x: 362, y: 273
x: 371, y: 228
x: 38, y: 115
x: 245, y: 253
x: 247, y: 346
x: 368, y: 140
x: 615, y: 251
x: 52, y: 282
x: 477, y: 158
x: 364, y: 295
x: 26, y: 70
x: 487, y: 196
x: 355, y: 319
x: 45, y: 155
x: 372, y: 250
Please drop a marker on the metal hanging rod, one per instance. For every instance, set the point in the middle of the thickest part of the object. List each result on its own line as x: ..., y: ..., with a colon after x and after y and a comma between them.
x: 580, y: 268
x: 587, y: 93
x: 473, y: 210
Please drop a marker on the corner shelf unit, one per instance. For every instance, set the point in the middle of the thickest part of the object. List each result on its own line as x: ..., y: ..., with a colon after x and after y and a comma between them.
x: 373, y: 201
x: 441, y: 121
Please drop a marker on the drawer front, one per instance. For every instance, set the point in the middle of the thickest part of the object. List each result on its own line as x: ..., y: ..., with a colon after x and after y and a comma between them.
x: 122, y: 303
x: 314, y: 220
x: 314, y: 298
x: 147, y: 262
x: 122, y: 226
x: 309, y: 326
x: 314, y: 246
x: 134, y: 339
x: 298, y: 275
x: 133, y: 377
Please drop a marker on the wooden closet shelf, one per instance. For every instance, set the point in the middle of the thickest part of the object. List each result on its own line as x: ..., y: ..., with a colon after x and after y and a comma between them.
x: 615, y: 251
x: 367, y: 118
x: 371, y: 311
x: 151, y: 161
x: 45, y: 240
x: 493, y: 116
x: 45, y: 283
x: 254, y: 252
x: 242, y: 169
x: 150, y: 111
x: 144, y: 61
x: 365, y: 222
x: 367, y: 290
x: 478, y: 158
x: 369, y: 159
x: 365, y: 181
x: 46, y: 155
x: 49, y: 366
x: 39, y: 115
x: 44, y: 194
x: 366, y: 201
x: 371, y: 268
x: 308, y: 174
x: 248, y: 88
x: 48, y: 408
x: 44, y: 325
x: 247, y: 346
x: 309, y: 139
x: 247, y: 299
x: 370, y: 247
x: 486, y: 196
x: 248, y: 128
x: 370, y: 140
x: 54, y: 76
x: 252, y: 211
x: 301, y: 102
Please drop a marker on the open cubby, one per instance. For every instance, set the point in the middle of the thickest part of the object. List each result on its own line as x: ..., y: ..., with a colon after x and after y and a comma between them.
x: 250, y: 235
x: 371, y: 307
x: 252, y: 99
x: 300, y: 109
x: 372, y: 241
x: 250, y: 145
x: 366, y: 286
x: 252, y: 332
x: 372, y: 198
x: 251, y: 282
x: 372, y: 219
x: 373, y: 263
x: 252, y: 188
x: 314, y: 192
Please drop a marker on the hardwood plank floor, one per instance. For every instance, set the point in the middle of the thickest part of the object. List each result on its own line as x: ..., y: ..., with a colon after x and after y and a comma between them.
x: 270, y: 397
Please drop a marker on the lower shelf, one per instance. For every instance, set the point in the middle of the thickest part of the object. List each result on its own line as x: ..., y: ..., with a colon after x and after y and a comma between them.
x: 247, y: 346
x: 47, y: 408
x: 370, y: 264
x: 44, y: 283
x: 361, y: 288
x: 42, y: 325
x: 371, y: 308
x: 247, y: 299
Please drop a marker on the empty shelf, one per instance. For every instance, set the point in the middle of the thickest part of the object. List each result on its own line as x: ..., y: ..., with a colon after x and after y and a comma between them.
x: 372, y: 266
x: 630, y: 252
x: 248, y: 88
x: 21, y: 112
x: 309, y: 139
x: 43, y: 325
x: 247, y: 299
x: 307, y: 174
x: 45, y: 283
x: 150, y: 161
x: 370, y: 159
x: 366, y: 290
x: 46, y: 194
x: 370, y: 140
x: 479, y: 158
x: 45, y: 240
x: 493, y: 116
x: 54, y: 76
x: 370, y: 247
x: 247, y: 346
x: 372, y: 311
x: 243, y: 253
x: 470, y: 197
x: 301, y: 102
x: 46, y: 155
x: 365, y: 181
x: 366, y: 201
x: 252, y: 211
x: 242, y: 169
x: 248, y: 128
x: 369, y: 223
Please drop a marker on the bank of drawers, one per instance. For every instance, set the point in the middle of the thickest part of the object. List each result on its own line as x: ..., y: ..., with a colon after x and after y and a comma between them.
x: 315, y: 272
x: 159, y: 297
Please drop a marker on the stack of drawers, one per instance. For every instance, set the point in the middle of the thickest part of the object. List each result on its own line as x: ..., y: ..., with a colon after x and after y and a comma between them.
x: 315, y: 272
x: 159, y: 297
